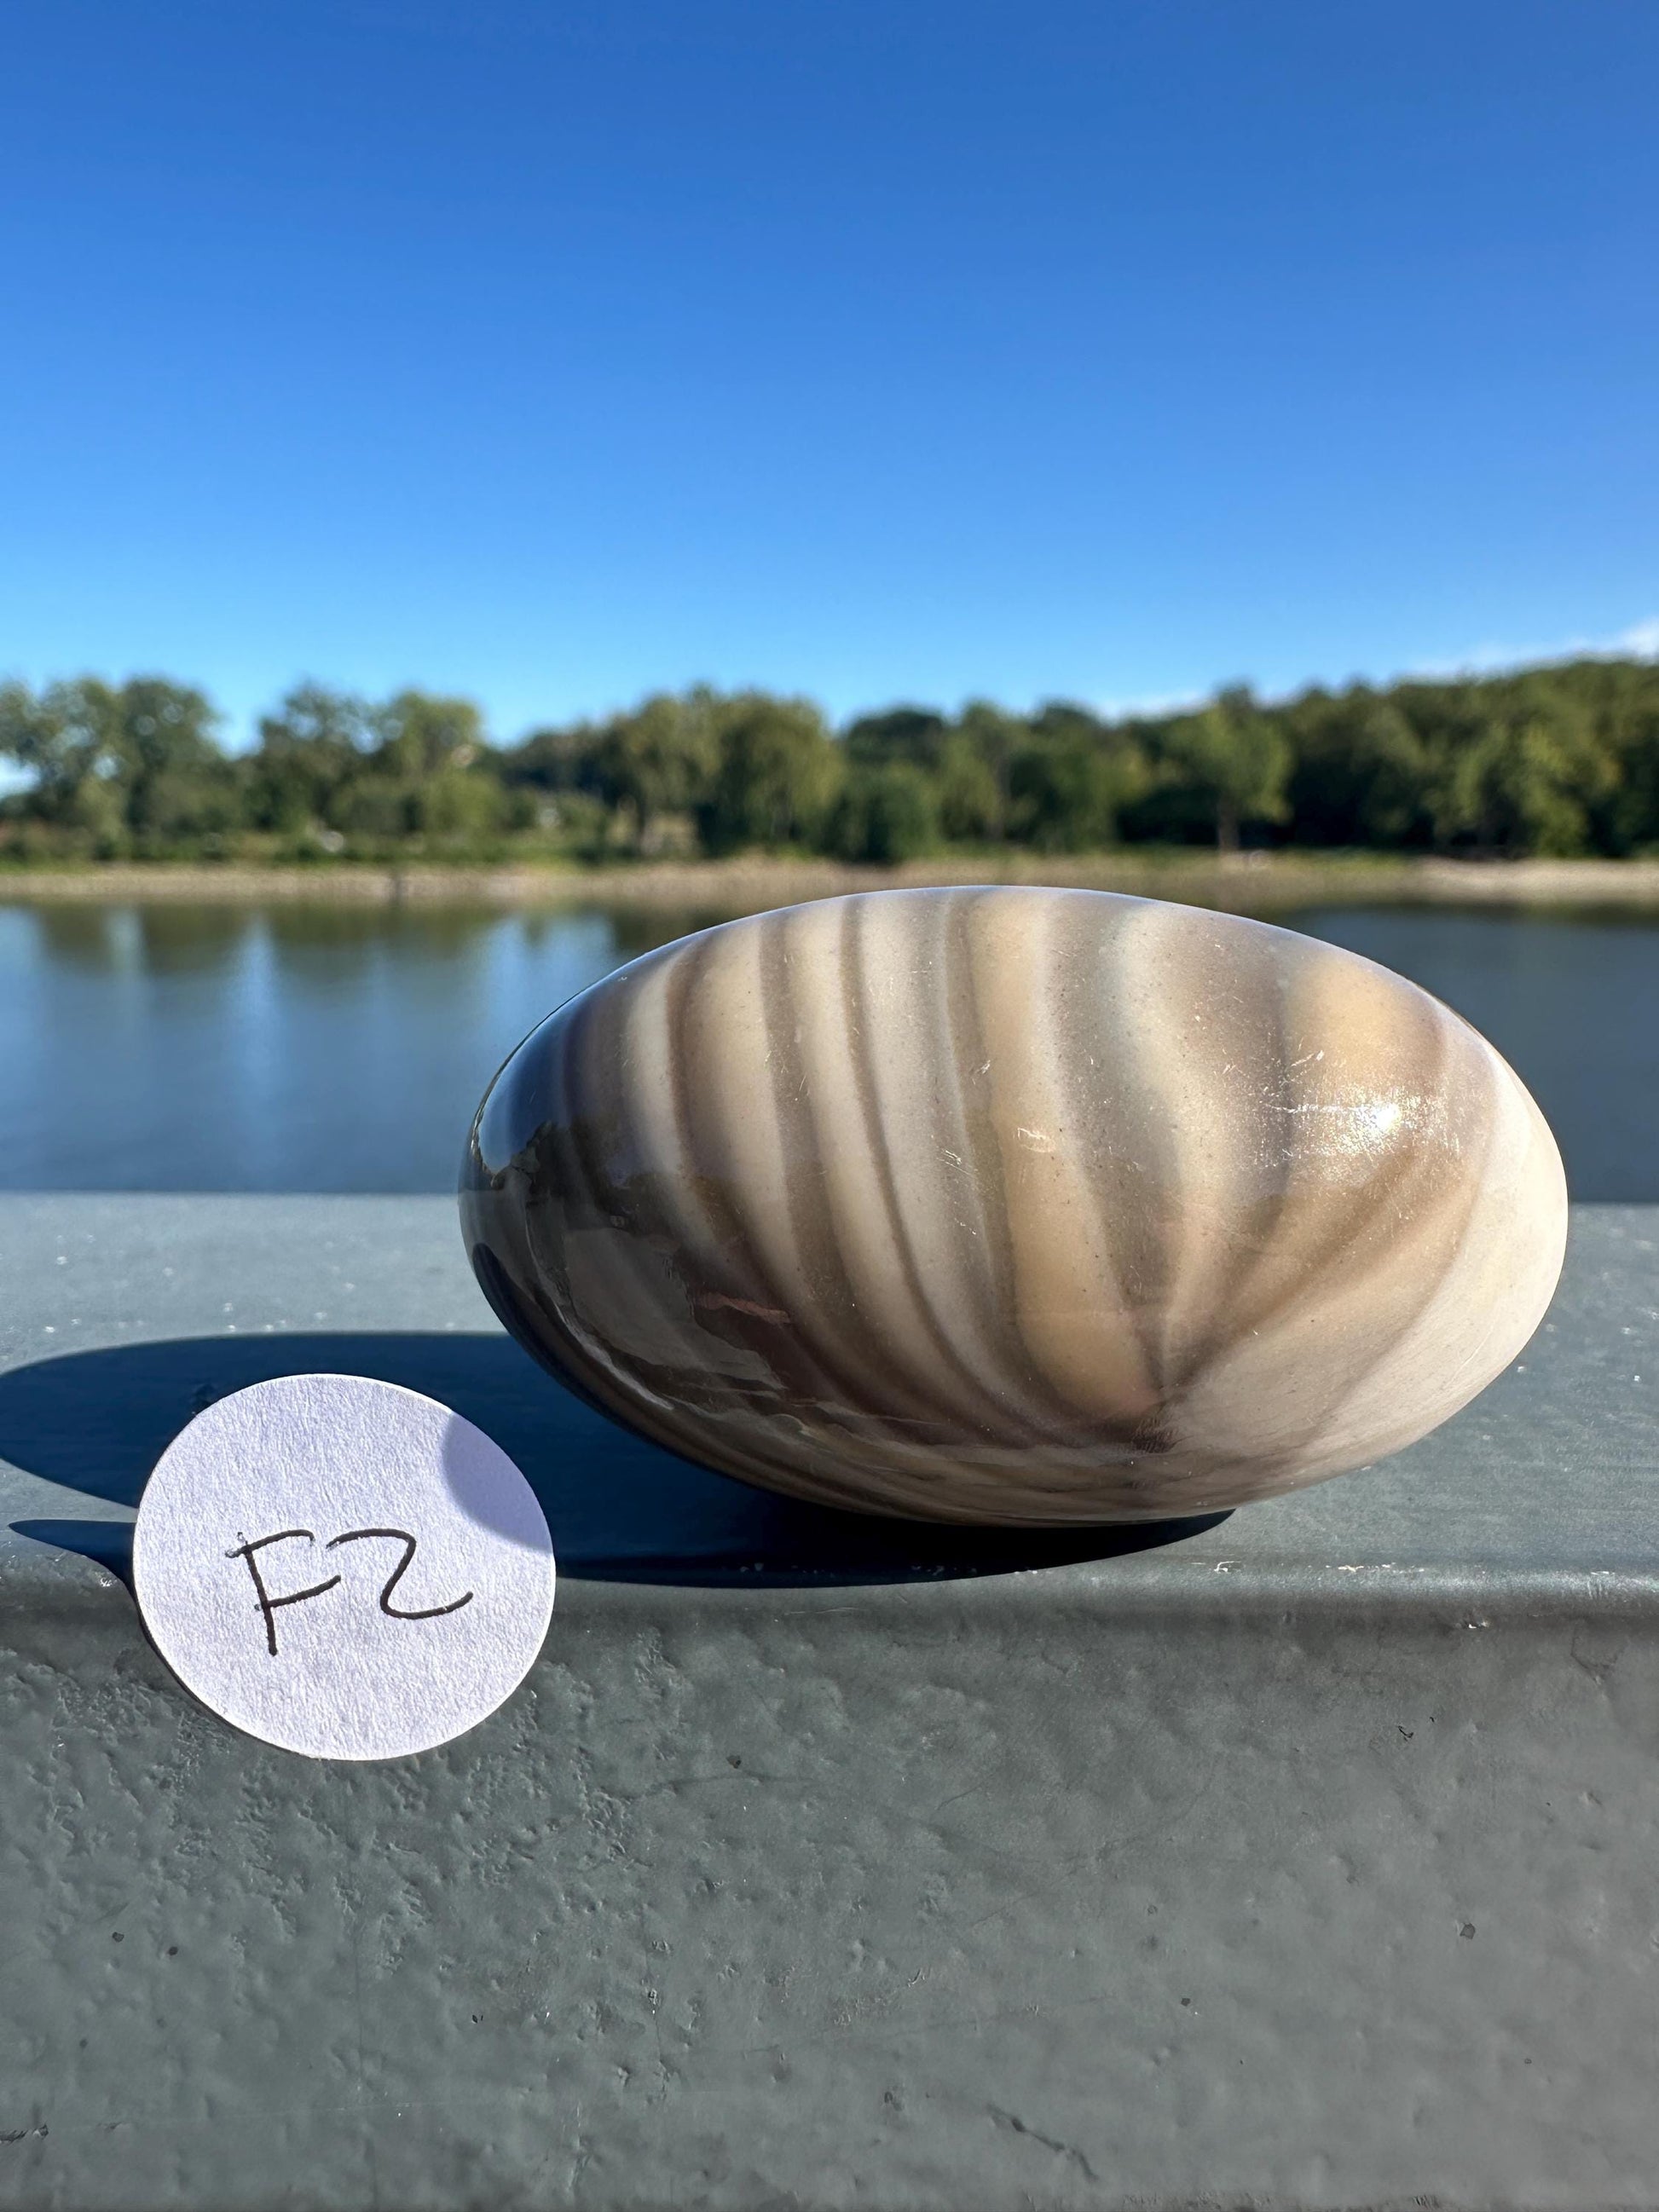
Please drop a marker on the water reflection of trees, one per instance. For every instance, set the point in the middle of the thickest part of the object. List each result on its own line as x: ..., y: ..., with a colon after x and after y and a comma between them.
x: 155, y: 939
x: 315, y: 939
x: 643, y: 928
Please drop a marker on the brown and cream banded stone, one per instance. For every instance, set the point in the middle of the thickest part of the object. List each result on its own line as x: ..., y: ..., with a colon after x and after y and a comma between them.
x: 1015, y: 1205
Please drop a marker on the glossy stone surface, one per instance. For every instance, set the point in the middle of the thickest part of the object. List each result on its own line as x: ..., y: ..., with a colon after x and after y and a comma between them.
x: 1015, y: 1205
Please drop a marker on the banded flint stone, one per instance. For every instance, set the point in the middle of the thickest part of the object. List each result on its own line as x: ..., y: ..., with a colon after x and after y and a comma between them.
x: 1017, y: 1206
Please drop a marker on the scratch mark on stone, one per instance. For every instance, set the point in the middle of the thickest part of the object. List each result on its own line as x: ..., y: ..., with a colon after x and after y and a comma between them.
x: 1061, y: 2149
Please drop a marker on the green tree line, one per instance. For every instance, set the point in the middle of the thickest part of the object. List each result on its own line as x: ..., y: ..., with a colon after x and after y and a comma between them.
x: 1562, y: 759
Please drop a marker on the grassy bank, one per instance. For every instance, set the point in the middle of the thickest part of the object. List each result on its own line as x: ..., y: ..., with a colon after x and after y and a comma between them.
x: 1256, y: 882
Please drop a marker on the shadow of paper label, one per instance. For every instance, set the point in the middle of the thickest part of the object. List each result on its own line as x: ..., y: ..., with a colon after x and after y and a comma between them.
x: 342, y: 1567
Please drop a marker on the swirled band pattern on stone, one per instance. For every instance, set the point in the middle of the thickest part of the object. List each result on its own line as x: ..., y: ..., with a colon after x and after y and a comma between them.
x: 1010, y: 1205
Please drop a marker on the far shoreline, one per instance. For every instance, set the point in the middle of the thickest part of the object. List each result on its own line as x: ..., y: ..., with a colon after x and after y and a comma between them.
x: 1252, y: 882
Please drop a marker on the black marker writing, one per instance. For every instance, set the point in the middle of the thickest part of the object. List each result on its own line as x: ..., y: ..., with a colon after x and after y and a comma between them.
x: 396, y: 1612
x: 269, y: 1605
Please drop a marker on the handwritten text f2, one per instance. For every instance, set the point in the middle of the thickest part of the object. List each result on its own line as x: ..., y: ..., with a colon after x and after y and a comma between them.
x: 269, y: 1605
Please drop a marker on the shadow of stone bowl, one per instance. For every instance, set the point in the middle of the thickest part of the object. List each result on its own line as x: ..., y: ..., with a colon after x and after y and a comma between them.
x: 620, y: 1509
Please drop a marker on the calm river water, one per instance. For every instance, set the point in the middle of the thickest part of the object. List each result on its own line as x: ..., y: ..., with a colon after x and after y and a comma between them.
x: 184, y: 1047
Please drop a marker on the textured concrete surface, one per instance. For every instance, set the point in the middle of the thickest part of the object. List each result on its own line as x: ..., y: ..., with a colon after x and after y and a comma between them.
x: 1303, y: 1859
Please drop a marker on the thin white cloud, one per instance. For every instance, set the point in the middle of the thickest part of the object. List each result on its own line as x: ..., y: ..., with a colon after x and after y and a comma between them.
x: 1168, y: 702
x: 1640, y: 641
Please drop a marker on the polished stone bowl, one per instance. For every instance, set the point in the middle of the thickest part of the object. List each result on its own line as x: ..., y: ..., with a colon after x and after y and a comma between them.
x: 1020, y: 1205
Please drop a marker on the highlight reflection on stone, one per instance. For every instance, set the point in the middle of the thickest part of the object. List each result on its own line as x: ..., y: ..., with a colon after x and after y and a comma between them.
x: 1015, y: 1205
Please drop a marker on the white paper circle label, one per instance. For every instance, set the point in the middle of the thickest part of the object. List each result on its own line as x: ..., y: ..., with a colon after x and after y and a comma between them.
x: 342, y: 1567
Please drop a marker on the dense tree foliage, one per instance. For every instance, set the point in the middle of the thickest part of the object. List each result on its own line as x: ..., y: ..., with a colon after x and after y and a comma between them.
x: 1555, y: 760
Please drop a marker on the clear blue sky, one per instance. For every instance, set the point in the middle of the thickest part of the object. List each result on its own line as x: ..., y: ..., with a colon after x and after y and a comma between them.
x: 877, y: 348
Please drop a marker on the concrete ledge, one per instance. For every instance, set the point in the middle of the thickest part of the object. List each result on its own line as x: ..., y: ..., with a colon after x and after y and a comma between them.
x: 1302, y: 1858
